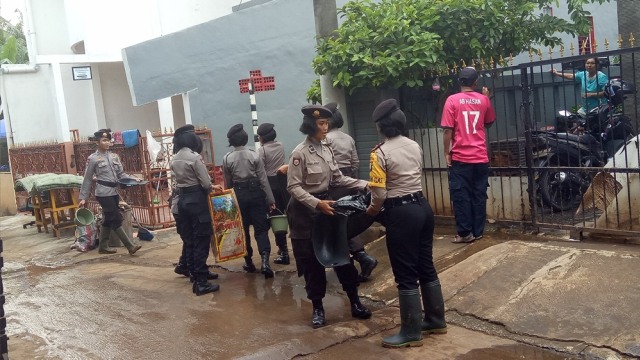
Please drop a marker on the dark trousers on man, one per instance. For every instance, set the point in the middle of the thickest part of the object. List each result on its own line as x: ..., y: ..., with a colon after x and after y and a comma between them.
x: 410, y: 243
x: 468, y: 187
x: 315, y: 276
x: 253, y: 207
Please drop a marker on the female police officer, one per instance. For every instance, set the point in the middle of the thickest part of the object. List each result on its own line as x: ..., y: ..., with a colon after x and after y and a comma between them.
x: 108, y: 169
x: 193, y: 183
x: 395, y: 182
x: 312, y: 168
x: 244, y: 172
x: 272, y: 154
x: 183, y: 265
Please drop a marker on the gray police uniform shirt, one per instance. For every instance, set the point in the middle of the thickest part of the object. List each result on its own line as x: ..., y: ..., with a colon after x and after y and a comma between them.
x: 312, y: 168
x: 272, y: 155
x: 344, y: 149
x: 106, y: 166
x: 189, y: 170
x: 396, y: 169
x: 244, y: 164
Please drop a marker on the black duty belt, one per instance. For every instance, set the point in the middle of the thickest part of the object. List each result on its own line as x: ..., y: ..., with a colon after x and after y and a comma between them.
x: 107, y: 183
x: 246, y: 184
x: 413, y: 198
x: 190, y: 189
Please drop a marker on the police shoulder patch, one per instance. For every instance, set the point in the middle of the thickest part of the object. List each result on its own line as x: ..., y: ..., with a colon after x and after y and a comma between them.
x: 295, y: 161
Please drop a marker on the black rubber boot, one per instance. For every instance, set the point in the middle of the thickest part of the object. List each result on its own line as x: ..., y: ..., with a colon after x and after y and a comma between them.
x: 367, y: 264
x: 266, y: 269
x: 103, y: 245
x: 433, y: 304
x: 411, y: 321
x: 249, y: 266
x: 201, y: 286
x: 126, y: 241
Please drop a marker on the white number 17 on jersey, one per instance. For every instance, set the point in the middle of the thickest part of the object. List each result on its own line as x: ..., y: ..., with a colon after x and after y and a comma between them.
x: 476, y: 116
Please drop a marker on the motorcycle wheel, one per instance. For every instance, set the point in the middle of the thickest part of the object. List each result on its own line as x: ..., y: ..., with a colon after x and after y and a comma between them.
x: 559, y: 195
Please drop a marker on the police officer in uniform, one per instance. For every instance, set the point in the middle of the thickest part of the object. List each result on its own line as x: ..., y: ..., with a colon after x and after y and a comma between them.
x: 183, y: 268
x: 107, y: 168
x: 344, y: 150
x: 312, y: 168
x: 272, y: 155
x: 395, y: 182
x: 194, y: 184
x: 244, y: 172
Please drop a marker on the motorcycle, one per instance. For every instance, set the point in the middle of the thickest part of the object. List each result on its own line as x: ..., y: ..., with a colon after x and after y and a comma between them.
x: 591, y: 139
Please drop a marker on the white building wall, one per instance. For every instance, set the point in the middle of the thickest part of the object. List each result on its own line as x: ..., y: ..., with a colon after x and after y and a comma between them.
x: 50, y: 27
x: 80, y: 101
x: 30, y: 107
x: 118, y: 108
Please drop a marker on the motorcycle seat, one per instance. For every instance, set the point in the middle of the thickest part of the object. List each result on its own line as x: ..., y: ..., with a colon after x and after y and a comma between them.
x: 585, y: 139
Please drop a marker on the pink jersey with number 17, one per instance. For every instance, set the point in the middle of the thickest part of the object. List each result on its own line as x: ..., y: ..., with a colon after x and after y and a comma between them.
x: 467, y: 113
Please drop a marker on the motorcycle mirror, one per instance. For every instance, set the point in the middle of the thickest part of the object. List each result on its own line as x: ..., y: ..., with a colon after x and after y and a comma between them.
x: 564, y: 113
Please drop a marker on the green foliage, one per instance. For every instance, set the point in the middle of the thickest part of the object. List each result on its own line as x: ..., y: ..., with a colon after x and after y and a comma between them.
x: 403, y: 42
x: 13, y: 45
x: 314, y: 96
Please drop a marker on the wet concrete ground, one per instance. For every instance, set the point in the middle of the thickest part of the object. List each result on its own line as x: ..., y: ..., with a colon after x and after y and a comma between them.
x: 62, y: 304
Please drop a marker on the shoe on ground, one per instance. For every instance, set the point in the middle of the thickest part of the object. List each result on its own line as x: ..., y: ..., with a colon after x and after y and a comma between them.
x: 463, y: 239
x: 359, y: 311
x: 478, y: 237
x: 107, y: 251
x: 317, y: 319
x: 134, y: 249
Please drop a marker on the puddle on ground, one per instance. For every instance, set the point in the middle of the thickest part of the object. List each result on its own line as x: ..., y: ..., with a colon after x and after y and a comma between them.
x: 514, y: 352
x: 122, y: 311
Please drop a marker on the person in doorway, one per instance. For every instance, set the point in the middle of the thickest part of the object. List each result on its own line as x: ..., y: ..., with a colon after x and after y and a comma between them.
x: 245, y: 173
x: 107, y: 169
x: 592, y: 83
x: 182, y: 268
x: 395, y: 182
x: 272, y: 154
x: 464, y: 118
x: 344, y: 150
x: 312, y: 168
x: 193, y: 184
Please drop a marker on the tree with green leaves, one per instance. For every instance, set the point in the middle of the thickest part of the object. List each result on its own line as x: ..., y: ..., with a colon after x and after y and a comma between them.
x: 398, y: 43
x: 13, y: 44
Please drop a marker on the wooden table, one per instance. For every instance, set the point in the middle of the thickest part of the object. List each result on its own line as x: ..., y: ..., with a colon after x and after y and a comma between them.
x: 61, y: 206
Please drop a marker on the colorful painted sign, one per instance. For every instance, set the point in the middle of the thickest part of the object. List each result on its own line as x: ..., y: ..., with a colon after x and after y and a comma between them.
x: 228, y: 240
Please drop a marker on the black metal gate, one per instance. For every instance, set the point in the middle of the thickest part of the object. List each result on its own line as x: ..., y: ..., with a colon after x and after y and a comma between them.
x: 574, y: 172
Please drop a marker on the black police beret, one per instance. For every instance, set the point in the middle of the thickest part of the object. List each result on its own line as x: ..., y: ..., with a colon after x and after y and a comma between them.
x: 468, y: 73
x: 102, y: 133
x: 385, y: 108
x: 316, y: 111
x: 184, y: 129
x: 265, y: 128
x: 234, y: 129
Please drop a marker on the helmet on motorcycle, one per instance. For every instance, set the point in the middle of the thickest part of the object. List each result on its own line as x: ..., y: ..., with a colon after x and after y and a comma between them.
x: 615, y: 90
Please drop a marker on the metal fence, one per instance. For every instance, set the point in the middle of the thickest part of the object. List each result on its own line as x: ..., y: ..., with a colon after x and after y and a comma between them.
x: 570, y: 171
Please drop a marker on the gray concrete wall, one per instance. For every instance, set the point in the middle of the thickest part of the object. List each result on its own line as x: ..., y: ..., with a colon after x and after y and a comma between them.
x: 207, y: 61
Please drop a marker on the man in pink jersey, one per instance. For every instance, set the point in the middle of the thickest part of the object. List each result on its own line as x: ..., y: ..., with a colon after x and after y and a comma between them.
x: 464, y: 118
